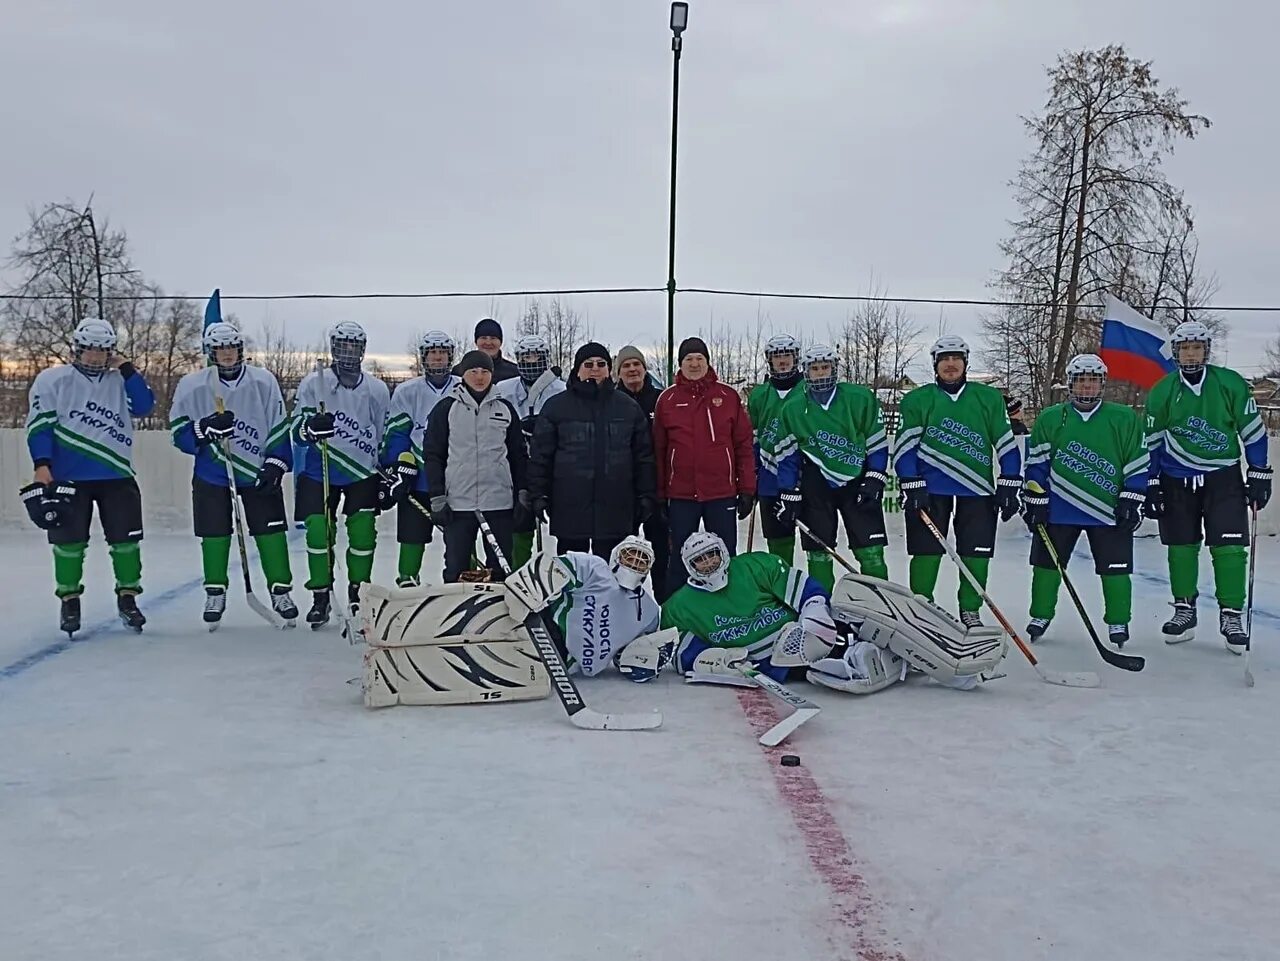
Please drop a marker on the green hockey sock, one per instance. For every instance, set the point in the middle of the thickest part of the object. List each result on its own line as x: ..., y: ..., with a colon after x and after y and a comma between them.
x: 968, y: 598
x: 273, y: 552
x: 362, y: 536
x: 871, y: 562
x: 1044, y: 592
x: 410, y: 564
x: 521, y: 549
x: 126, y: 564
x: 822, y: 569
x: 784, y: 547
x: 320, y: 574
x: 1184, y: 569
x: 924, y: 574
x: 1229, y: 564
x: 1117, y: 598
x: 214, y: 555
x: 68, y: 569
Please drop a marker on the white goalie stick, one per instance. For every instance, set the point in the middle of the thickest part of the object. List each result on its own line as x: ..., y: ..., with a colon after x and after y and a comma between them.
x: 570, y: 698
x: 802, y: 708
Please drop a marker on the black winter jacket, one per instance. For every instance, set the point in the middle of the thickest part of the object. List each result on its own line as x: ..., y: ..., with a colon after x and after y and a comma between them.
x: 592, y: 458
x: 646, y: 397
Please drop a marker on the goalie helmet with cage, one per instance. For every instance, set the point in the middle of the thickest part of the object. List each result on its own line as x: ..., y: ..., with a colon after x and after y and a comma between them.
x: 436, y: 340
x: 706, y: 558
x: 347, y: 342
x: 1190, y: 332
x: 93, y: 333
x: 1086, y: 379
x: 815, y: 355
x: 533, y: 357
x: 631, y: 561
x: 781, y: 345
x: 218, y: 337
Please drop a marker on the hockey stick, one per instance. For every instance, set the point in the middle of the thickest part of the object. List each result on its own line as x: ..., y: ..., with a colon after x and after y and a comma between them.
x: 570, y: 699
x: 1062, y: 678
x: 803, y: 528
x: 1248, y: 610
x: 803, y: 708
x: 237, y: 516
x: 331, y: 541
x: 751, y: 530
x: 1126, y: 662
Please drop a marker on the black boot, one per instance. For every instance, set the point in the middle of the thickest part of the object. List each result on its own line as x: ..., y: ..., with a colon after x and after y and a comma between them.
x: 130, y: 616
x: 318, y: 616
x: 70, y: 617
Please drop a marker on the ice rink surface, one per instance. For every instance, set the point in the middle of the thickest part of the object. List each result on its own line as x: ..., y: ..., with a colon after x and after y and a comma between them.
x: 189, y: 796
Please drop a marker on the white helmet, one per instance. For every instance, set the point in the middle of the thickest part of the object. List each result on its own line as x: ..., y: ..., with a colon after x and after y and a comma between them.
x: 435, y: 340
x: 346, y: 344
x: 820, y: 354
x: 221, y: 335
x: 708, y: 547
x: 781, y: 344
x: 1086, y: 365
x: 537, y: 347
x: 1191, y: 332
x: 631, y: 561
x: 92, y: 333
x: 949, y: 344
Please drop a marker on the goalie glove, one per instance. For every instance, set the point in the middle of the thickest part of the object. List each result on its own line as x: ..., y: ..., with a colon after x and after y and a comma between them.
x: 797, y: 647
x: 647, y: 655
x: 536, y: 585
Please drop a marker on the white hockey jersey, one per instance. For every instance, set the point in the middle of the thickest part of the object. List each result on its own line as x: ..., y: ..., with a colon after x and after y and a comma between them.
x: 360, y: 417
x: 528, y: 399
x: 261, y: 431
x: 597, y: 616
x: 411, y: 404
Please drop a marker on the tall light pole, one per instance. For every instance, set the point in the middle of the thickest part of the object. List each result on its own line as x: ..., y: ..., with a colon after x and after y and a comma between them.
x: 679, y: 20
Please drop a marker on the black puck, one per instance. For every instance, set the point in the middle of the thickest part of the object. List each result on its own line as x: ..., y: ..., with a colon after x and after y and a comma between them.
x: 790, y: 760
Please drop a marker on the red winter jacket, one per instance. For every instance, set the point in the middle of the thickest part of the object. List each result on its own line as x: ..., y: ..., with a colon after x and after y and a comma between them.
x: 702, y: 441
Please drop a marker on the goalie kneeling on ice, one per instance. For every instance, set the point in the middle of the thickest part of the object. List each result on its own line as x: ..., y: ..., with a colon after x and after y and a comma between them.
x: 919, y: 633
x: 446, y: 644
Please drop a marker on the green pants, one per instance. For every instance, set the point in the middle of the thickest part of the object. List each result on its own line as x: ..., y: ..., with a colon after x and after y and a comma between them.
x: 68, y: 568
x: 1230, y: 572
x: 273, y: 553
x: 924, y: 578
x: 1117, y: 595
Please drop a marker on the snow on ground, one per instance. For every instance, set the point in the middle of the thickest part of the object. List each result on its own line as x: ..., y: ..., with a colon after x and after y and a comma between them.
x: 189, y: 795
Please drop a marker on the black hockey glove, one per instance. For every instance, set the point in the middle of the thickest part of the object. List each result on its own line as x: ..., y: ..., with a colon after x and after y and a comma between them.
x: 540, y: 507
x: 1153, y: 507
x: 1129, y: 511
x: 915, y: 495
x: 389, y: 486
x: 47, y: 504
x: 405, y: 477
x: 318, y: 427
x: 871, y: 490
x: 646, y: 510
x: 746, y: 504
x: 1259, y: 487
x: 1035, y: 507
x: 214, y: 428
x: 270, y: 474
x: 1008, y: 487
x: 787, y: 507
x: 441, y: 513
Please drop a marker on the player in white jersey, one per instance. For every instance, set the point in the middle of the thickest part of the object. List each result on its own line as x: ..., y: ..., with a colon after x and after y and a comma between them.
x: 405, y: 483
x: 527, y: 393
x: 80, y: 436
x: 593, y: 607
x: 254, y: 428
x: 339, y: 417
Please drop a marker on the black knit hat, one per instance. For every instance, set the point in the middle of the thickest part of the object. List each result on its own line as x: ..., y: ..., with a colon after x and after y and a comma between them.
x: 488, y: 328
x: 692, y: 345
x: 476, y: 358
x: 588, y: 351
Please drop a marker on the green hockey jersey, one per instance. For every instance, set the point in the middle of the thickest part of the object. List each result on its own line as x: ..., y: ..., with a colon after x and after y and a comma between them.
x: 1196, y: 428
x: 841, y: 437
x: 764, y: 404
x: 949, y: 440
x: 1084, y: 461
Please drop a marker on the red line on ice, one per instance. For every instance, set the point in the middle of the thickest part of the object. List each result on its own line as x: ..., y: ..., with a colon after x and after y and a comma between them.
x: 828, y: 850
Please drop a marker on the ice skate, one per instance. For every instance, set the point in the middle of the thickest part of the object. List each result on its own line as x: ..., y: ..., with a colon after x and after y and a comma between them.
x: 70, y: 615
x: 1036, y: 628
x: 130, y: 616
x: 1182, y: 626
x: 1233, y: 635
x: 282, y: 603
x: 318, y: 616
x: 215, y: 604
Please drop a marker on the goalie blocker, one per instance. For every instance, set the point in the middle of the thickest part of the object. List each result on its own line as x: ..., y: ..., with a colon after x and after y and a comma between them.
x: 907, y: 630
x: 446, y: 644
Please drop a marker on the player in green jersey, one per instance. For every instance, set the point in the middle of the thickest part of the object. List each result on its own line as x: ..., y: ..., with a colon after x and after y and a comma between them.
x: 831, y: 454
x: 952, y: 434
x: 1198, y: 419
x: 764, y: 404
x: 1086, y: 473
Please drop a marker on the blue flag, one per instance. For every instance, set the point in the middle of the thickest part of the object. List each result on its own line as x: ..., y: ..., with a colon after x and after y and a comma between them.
x: 213, y: 309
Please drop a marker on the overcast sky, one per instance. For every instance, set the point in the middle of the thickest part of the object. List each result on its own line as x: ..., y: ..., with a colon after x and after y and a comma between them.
x: 417, y: 146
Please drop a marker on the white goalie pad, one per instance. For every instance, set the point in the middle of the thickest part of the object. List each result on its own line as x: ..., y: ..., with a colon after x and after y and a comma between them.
x: 537, y: 583
x: 864, y: 669
x: 446, y: 644
x: 922, y: 634
x: 437, y: 614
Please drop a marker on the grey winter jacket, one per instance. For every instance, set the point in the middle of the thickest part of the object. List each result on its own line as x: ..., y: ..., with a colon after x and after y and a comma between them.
x: 474, y: 452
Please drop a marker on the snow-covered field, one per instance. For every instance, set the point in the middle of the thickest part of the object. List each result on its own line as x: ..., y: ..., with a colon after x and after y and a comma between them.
x: 186, y: 795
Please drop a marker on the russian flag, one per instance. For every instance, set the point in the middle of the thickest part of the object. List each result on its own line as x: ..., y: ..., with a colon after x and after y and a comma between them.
x: 1134, y: 348
x: 213, y: 309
